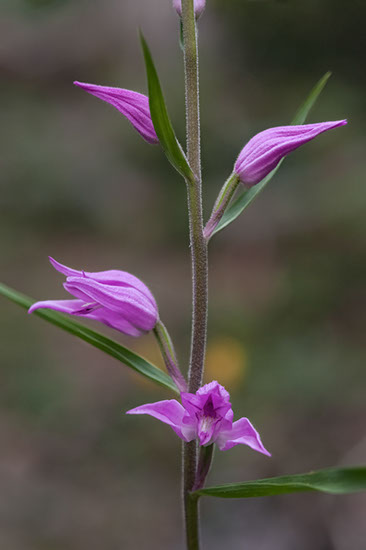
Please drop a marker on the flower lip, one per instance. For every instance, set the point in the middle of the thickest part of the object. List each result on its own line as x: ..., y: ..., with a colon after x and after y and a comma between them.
x: 265, y: 150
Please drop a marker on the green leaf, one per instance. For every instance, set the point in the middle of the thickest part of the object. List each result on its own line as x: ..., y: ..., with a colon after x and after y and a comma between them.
x: 126, y: 356
x: 246, y: 197
x: 160, y: 117
x: 310, y: 101
x: 335, y: 481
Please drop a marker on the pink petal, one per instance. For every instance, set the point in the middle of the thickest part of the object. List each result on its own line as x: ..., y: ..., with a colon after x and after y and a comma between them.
x: 64, y: 306
x: 216, y: 389
x: 116, y: 321
x: 242, y: 433
x: 110, y: 277
x: 170, y: 412
x: 101, y: 314
x: 127, y: 301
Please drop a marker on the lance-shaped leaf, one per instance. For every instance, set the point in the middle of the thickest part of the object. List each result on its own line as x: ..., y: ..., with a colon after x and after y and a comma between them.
x: 246, y: 197
x: 110, y: 347
x: 159, y: 114
x: 335, y: 481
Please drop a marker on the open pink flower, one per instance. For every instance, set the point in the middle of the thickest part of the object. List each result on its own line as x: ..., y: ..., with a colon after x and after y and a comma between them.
x: 206, y: 415
x: 265, y: 150
x: 133, y: 105
x: 115, y: 298
x: 199, y: 6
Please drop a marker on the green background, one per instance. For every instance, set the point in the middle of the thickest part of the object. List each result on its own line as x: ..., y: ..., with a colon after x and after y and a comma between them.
x: 287, y: 280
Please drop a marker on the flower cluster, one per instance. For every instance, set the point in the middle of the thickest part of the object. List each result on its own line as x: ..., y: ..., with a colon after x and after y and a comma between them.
x: 120, y: 300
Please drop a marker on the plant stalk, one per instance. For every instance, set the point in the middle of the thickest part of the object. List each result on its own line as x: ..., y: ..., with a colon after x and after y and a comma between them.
x: 198, y: 247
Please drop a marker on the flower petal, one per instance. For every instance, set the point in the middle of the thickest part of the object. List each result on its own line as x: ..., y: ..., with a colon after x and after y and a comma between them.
x: 110, y: 277
x: 170, y: 412
x: 128, y: 302
x: 133, y: 105
x: 242, y: 433
x: 64, y: 306
x: 101, y: 314
x: 116, y: 321
x: 216, y: 389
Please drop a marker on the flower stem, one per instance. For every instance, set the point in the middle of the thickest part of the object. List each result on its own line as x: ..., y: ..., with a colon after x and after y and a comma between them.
x: 204, y: 465
x: 221, y: 204
x: 169, y: 355
x: 198, y: 246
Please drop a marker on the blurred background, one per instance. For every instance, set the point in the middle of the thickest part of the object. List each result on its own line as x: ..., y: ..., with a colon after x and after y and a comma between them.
x: 287, y: 282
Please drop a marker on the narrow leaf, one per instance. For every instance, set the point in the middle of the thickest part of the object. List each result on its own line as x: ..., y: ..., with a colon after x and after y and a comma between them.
x: 246, y: 197
x: 310, y: 101
x: 335, y: 481
x: 116, y: 350
x: 159, y: 114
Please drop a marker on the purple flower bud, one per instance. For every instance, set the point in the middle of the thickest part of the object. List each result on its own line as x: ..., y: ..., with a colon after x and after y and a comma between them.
x: 134, y: 106
x: 199, y: 6
x: 265, y: 150
x: 116, y: 298
x: 207, y: 416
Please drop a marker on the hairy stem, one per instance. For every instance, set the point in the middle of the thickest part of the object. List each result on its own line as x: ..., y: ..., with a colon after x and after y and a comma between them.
x: 191, y: 511
x: 194, y: 188
x: 198, y: 246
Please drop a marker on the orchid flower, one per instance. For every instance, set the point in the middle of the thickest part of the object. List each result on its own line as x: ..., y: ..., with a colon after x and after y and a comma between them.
x: 265, y: 150
x: 199, y: 6
x: 133, y: 105
x: 206, y: 415
x: 116, y: 298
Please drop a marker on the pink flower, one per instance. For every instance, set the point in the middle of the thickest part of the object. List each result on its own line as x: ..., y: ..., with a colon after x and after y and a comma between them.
x: 265, y: 150
x: 134, y: 106
x: 199, y: 6
x: 116, y: 298
x: 206, y: 415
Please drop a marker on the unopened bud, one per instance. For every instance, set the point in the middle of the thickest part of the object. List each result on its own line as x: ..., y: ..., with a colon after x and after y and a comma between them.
x: 265, y: 150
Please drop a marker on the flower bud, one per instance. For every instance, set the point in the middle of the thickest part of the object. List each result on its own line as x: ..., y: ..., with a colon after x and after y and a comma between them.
x: 115, y: 298
x: 199, y: 6
x: 265, y: 150
x: 134, y: 106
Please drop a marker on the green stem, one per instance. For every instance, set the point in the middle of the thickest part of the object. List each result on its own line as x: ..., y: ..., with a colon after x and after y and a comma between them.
x: 221, y: 204
x: 191, y: 510
x: 199, y: 257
